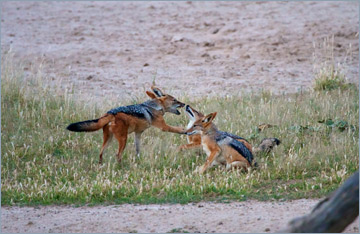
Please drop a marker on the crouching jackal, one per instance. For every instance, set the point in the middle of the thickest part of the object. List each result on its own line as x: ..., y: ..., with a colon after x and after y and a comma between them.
x: 220, y: 147
x: 123, y: 120
x: 194, y: 141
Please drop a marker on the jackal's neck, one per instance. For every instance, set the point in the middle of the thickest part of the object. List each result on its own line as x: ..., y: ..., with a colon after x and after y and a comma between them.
x: 155, y: 104
x: 211, y: 130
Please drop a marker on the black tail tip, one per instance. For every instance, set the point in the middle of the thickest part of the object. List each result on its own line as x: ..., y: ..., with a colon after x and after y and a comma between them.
x: 72, y: 127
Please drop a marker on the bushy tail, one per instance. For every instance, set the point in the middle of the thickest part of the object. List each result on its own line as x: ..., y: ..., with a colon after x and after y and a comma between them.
x: 90, y: 125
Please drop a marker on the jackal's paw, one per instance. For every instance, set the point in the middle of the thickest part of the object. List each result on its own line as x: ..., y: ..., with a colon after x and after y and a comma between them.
x: 199, y: 170
x: 196, y: 171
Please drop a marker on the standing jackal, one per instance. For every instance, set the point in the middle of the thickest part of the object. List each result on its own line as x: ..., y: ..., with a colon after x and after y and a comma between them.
x: 123, y: 120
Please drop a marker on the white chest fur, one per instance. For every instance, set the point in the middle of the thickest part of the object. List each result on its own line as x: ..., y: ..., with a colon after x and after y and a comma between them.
x: 206, y: 149
x: 190, y: 124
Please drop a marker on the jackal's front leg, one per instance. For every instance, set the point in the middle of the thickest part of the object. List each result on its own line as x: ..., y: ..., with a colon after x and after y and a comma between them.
x: 137, y: 142
x: 166, y: 128
x: 190, y: 146
x: 209, y: 160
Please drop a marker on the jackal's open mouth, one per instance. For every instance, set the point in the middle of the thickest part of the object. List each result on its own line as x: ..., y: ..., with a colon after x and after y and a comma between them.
x: 180, y: 105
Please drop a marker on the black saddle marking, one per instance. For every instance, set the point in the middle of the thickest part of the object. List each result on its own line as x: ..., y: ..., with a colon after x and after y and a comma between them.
x: 241, y: 149
x: 134, y: 110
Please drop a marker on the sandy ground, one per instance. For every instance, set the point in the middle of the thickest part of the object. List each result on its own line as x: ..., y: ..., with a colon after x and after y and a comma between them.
x: 116, y: 49
x: 198, y: 48
x: 249, y: 216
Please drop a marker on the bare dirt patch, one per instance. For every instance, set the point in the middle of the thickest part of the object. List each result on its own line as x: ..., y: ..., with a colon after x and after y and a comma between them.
x: 198, y: 48
x: 204, y: 217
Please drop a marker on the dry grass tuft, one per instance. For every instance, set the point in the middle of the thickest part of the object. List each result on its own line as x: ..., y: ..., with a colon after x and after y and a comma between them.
x: 329, y: 74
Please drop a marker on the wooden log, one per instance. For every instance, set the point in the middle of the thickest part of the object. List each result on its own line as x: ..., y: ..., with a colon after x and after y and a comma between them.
x: 334, y: 213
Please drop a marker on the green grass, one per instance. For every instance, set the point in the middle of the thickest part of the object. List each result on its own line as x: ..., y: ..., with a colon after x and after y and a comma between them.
x: 43, y: 163
x: 329, y: 72
x: 178, y: 230
x: 329, y: 78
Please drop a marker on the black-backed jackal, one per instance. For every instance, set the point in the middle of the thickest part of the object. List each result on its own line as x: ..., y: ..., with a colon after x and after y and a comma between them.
x: 123, y: 120
x: 194, y: 141
x: 220, y: 148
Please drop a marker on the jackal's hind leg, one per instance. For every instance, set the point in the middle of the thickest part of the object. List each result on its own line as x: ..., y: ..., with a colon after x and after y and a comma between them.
x: 107, y: 136
x: 121, y: 137
x: 214, y: 163
x: 238, y: 165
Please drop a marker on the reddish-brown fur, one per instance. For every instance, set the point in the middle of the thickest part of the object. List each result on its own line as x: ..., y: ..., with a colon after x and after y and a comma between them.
x: 195, y: 140
x: 219, y: 154
x: 120, y: 124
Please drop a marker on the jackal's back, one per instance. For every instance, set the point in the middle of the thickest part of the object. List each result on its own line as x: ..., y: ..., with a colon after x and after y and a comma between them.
x: 142, y: 111
x: 233, y: 136
x: 226, y: 138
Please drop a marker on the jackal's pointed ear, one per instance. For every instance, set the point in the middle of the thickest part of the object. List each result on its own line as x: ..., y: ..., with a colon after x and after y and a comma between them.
x: 151, y: 94
x: 157, y: 91
x: 209, y: 118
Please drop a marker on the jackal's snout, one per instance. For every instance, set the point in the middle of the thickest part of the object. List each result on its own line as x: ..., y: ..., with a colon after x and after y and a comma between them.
x: 191, y: 132
x: 175, y: 105
x: 180, y: 104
